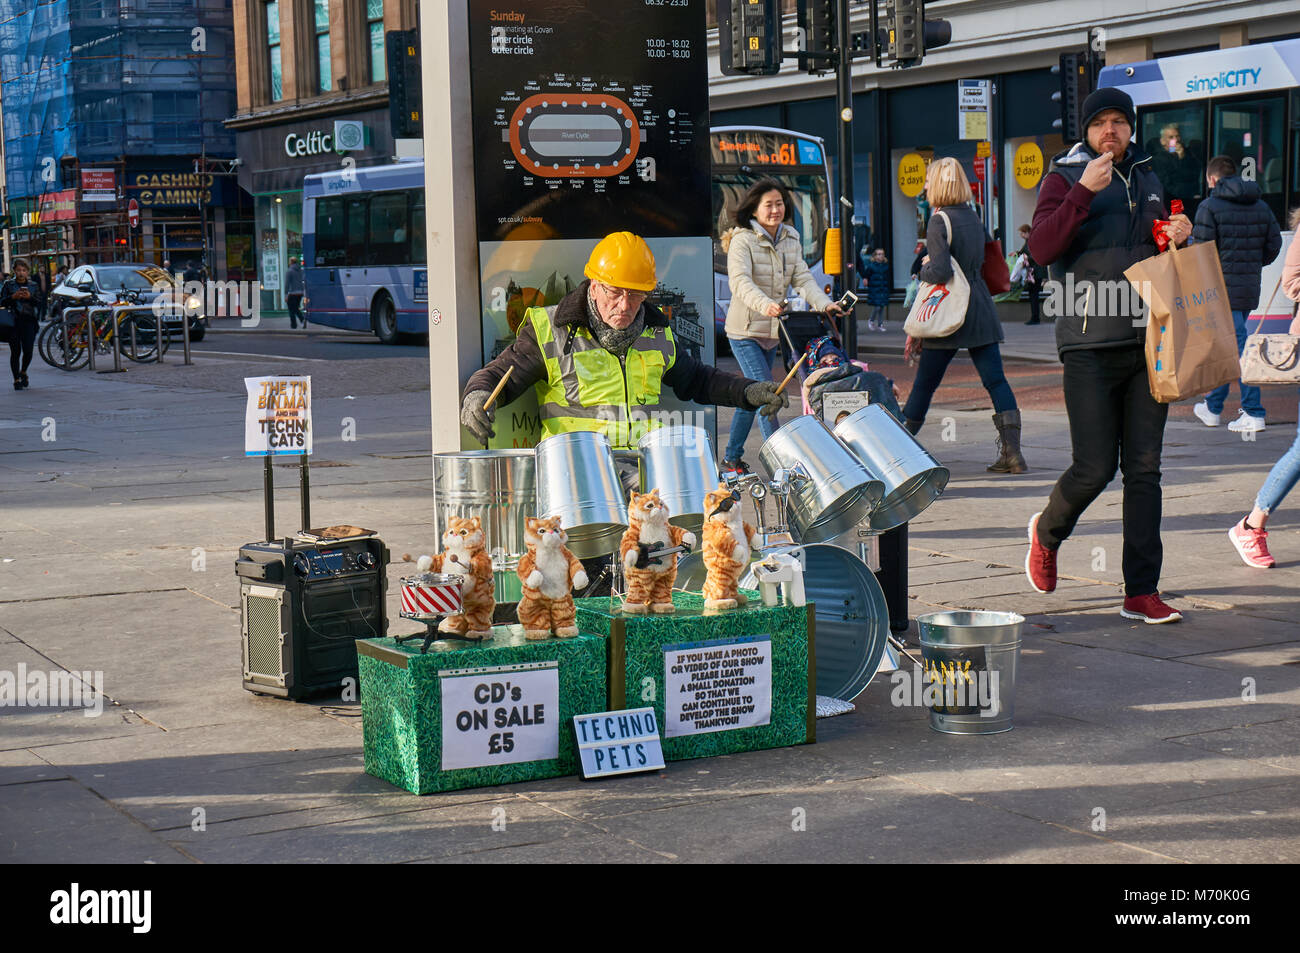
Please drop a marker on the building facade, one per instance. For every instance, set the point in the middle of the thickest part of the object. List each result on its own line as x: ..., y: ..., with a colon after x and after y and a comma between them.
x: 111, y: 105
x: 312, y: 97
x: 902, y: 117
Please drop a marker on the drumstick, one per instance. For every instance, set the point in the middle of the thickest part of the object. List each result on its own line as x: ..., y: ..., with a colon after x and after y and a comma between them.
x: 793, y: 370
x: 493, y: 396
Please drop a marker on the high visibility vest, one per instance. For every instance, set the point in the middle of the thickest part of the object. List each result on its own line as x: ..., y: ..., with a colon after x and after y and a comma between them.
x: 588, y: 388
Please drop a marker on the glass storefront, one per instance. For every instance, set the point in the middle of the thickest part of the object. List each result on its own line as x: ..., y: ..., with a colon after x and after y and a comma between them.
x: 278, y: 235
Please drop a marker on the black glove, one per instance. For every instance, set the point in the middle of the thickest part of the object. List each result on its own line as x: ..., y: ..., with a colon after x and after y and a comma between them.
x: 475, y: 418
x: 763, y: 396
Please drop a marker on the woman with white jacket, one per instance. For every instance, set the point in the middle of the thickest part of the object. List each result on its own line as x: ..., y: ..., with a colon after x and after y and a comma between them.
x: 763, y: 260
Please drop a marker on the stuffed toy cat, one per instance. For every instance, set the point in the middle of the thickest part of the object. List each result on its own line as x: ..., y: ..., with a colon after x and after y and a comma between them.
x: 465, y: 554
x: 651, y: 587
x: 549, y: 573
x: 728, y: 540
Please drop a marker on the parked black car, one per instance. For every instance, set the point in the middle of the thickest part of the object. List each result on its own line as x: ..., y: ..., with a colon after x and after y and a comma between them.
x: 105, y: 284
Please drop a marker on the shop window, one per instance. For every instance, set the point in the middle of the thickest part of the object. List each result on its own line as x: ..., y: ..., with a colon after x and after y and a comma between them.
x: 331, y: 233
x: 1249, y: 132
x: 375, y: 30
x: 273, y: 50
x: 1174, y: 136
x: 322, y: 24
x: 389, y: 239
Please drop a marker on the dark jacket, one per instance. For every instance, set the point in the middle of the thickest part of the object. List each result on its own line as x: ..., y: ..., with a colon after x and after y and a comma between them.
x: 879, y: 279
x: 1246, y: 233
x: 968, y: 236
x: 690, y: 379
x: 23, y: 309
x: 1088, y: 240
x: 1038, y: 274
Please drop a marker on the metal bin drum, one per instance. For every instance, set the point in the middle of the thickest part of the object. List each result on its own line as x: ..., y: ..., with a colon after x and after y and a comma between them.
x: 990, y: 643
x: 679, y: 462
x: 497, y: 486
x: 912, y: 478
x: 577, y: 481
x: 840, y: 494
x: 851, y: 616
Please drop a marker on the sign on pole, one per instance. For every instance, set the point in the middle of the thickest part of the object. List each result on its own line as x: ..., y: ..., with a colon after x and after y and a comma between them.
x: 277, y: 419
x: 973, y: 109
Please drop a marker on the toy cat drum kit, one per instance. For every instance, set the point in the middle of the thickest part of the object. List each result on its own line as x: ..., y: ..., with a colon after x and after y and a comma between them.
x: 429, y: 598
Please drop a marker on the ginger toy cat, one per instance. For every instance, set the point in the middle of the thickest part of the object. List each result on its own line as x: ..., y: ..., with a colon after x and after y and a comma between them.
x: 728, y: 540
x: 465, y: 554
x: 549, y: 573
x: 651, y: 587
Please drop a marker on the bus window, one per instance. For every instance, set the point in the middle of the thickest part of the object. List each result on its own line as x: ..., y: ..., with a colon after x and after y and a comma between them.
x: 417, y: 227
x: 390, y: 234
x: 1174, y: 137
x: 1249, y: 132
x: 356, y: 232
x: 331, y: 233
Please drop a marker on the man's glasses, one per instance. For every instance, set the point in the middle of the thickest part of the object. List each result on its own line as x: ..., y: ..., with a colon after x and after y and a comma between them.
x: 632, y: 297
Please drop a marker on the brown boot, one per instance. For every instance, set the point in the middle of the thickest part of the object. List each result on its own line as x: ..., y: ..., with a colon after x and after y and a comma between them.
x: 1009, y: 459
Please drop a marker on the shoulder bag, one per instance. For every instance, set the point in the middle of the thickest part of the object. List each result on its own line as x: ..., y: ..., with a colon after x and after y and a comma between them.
x: 996, y: 275
x: 1271, y: 358
x: 939, y: 310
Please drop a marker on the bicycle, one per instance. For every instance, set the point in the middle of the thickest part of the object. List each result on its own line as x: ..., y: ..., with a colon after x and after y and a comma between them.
x: 63, y: 344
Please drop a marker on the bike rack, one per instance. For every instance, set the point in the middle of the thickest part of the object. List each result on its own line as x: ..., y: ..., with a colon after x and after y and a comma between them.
x: 67, y: 344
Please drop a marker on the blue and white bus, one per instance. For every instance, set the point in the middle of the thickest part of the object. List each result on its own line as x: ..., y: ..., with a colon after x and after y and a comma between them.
x: 363, y: 249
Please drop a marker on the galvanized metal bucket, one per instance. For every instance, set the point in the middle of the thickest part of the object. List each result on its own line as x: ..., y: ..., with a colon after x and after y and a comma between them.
x: 851, y: 616
x: 912, y: 478
x: 840, y: 492
x: 679, y: 461
x: 497, y: 486
x: 577, y: 481
x: 973, y: 657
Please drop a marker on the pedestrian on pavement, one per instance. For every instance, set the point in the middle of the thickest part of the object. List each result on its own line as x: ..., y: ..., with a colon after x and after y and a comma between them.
x: 600, y: 358
x: 1035, y: 275
x: 1246, y: 233
x: 1096, y: 208
x: 879, y: 279
x: 764, y: 259
x: 949, y: 190
x: 21, y: 296
x: 295, y: 287
x: 1249, y: 536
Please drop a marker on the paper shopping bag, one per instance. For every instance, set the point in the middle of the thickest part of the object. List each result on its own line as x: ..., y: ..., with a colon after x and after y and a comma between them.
x: 1191, y: 347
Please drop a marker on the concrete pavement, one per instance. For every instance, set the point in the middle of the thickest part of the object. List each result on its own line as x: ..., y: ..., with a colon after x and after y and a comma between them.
x: 1132, y: 743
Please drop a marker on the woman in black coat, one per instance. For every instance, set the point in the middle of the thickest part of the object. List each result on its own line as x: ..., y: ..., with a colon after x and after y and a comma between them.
x: 21, y: 296
x: 948, y: 190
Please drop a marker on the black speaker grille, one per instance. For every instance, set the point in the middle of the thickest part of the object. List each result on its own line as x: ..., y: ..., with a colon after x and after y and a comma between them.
x: 264, y: 655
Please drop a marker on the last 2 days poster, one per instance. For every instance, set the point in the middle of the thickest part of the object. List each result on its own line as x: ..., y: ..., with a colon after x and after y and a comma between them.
x: 590, y: 118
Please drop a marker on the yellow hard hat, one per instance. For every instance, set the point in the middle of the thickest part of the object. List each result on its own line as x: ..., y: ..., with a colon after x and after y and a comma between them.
x: 623, y: 260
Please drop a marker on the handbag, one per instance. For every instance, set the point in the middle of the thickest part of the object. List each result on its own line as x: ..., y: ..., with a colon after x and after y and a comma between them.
x: 995, y: 272
x: 1270, y: 358
x: 8, y: 326
x: 939, y: 310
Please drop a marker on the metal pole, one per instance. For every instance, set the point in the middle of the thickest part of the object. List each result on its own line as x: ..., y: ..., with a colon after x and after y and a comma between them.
x: 91, y: 337
x: 158, y: 344
x: 268, y: 493
x: 185, y: 330
x: 844, y: 107
x: 306, y: 492
x: 117, y: 344
x: 67, y: 351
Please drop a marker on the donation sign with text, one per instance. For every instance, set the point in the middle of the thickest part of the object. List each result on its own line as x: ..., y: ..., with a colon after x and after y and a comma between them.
x: 717, y: 685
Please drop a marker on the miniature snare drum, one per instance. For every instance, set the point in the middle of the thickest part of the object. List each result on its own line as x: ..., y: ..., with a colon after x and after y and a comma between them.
x: 430, y: 596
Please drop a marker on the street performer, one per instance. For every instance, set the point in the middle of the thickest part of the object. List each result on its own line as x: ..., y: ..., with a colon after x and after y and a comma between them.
x: 599, y: 359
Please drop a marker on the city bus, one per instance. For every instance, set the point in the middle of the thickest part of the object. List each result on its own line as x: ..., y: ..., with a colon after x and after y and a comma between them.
x: 363, y: 249
x: 740, y: 156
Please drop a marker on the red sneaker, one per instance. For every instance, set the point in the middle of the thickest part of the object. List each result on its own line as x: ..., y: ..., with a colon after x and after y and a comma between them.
x: 1040, y: 562
x: 1252, y: 545
x: 1149, y: 609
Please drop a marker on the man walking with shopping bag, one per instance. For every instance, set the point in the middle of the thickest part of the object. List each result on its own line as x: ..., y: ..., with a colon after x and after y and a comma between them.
x: 1096, y: 209
x: 1243, y: 228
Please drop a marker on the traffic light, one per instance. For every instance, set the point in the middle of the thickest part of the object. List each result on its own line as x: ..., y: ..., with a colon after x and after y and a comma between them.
x: 1076, y: 84
x: 405, y: 93
x: 816, y: 20
x: 749, y: 36
x: 910, y: 34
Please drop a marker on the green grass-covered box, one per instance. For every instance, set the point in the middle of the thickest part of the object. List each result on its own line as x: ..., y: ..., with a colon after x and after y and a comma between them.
x: 472, y: 714
x: 719, y: 683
